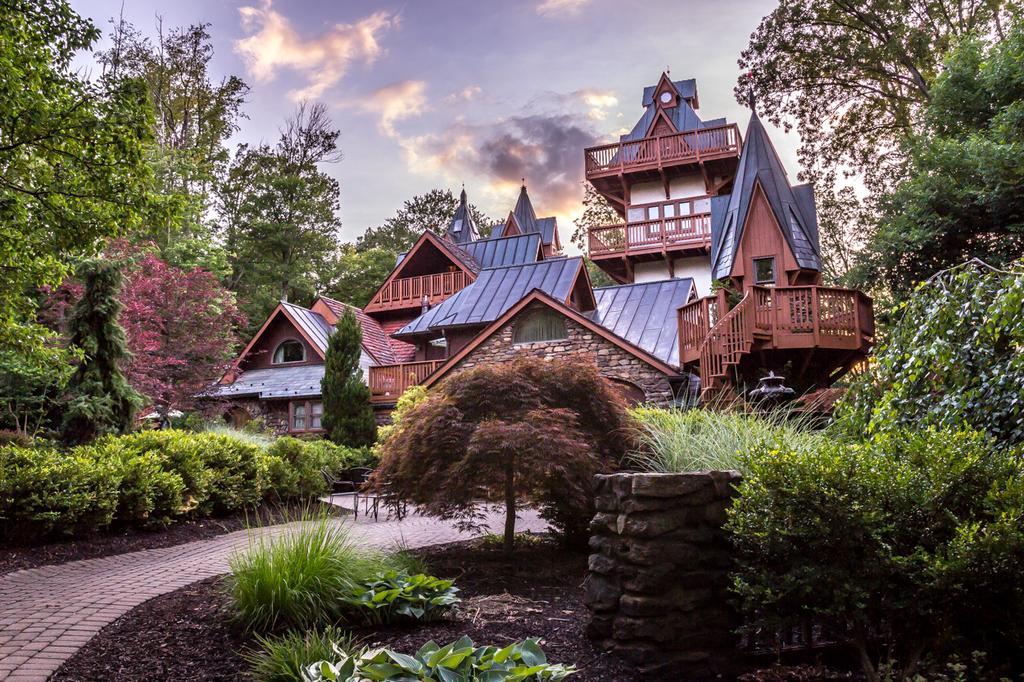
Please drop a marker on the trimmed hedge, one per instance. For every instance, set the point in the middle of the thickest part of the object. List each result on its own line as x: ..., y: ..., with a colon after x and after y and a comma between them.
x: 151, y: 478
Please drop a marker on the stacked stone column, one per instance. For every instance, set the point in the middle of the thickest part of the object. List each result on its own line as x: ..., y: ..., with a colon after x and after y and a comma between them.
x: 657, y: 586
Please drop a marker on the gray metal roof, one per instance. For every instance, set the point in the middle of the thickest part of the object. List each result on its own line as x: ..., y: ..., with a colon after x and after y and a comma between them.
x: 495, y: 291
x: 524, y: 212
x: 502, y: 251
x: 793, y: 207
x: 462, y: 228
x: 274, y: 382
x: 683, y: 116
x: 687, y: 89
x: 645, y: 314
x: 315, y: 326
x: 545, y: 226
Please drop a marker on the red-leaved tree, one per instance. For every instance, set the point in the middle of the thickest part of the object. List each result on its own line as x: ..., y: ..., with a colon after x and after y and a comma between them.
x: 524, y: 433
x: 180, y: 326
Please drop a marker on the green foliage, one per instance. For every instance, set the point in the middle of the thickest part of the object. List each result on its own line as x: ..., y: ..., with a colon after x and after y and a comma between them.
x: 963, y: 192
x: 150, y: 495
x: 953, y: 360
x: 358, y: 274
x: 285, y: 657
x: 301, y: 578
x: 914, y: 538
x: 596, y: 213
x: 676, y: 441
x: 45, y: 492
x: 100, y: 399
x: 461, y: 660
x: 348, y: 417
x: 431, y: 211
x: 394, y: 596
x: 296, y: 465
x: 30, y: 392
x: 412, y: 397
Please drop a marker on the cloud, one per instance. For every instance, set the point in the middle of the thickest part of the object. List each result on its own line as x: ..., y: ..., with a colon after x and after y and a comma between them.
x: 464, y: 95
x: 395, y: 102
x: 273, y: 45
x: 598, y: 102
x: 549, y: 8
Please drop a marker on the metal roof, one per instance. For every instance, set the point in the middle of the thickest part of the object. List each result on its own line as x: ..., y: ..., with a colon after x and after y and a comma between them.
x: 314, y: 325
x: 495, y: 291
x: 462, y: 228
x: 793, y: 207
x: 501, y: 251
x: 545, y: 226
x: 645, y: 314
x: 687, y: 89
x: 683, y: 116
x: 274, y: 382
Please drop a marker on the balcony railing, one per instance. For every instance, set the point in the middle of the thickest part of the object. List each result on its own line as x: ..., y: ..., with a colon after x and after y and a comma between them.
x: 655, y: 152
x: 651, y: 235
x: 388, y: 382
x: 408, y: 292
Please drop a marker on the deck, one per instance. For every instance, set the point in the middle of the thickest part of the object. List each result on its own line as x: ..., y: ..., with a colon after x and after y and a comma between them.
x: 651, y: 236
x: 408, y: 292
x: 655, y: 153
x: 388, y: 382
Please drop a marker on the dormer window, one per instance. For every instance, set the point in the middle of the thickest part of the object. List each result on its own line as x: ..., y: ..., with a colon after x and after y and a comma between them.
x: 289, y: 351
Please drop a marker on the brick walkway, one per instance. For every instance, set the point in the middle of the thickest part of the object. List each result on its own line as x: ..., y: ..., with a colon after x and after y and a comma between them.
x: 48, y: 613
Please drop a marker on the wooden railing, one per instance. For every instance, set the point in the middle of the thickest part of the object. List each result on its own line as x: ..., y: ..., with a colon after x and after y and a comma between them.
x: 654, y: 152
x: 727, y: 342
x: 408, y: 292
x: 388, y: 382
x: 651, y: 235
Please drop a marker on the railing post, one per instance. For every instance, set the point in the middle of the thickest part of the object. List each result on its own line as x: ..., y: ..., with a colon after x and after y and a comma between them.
x: 816, y: 313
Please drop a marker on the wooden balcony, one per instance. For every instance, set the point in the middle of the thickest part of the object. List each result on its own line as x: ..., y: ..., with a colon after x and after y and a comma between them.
x: 408, y: 292
x: 653, y: 153
x: 651, y: 236
x: 388, y: 382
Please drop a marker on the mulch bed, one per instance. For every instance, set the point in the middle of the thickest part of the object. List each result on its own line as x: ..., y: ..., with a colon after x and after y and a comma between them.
x: 16, y: 558
x: 187, y: 635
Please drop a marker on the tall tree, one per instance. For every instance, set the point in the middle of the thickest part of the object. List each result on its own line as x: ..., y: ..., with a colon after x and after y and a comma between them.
x: 358, y: 274
x: 279, y: 214
x: 193, y: 118
x: 100, y: 399
x: 596, y: 212
x: 963, y: 196
x: 72, y: 165
x: 431, y: 211
x: 348, y: 417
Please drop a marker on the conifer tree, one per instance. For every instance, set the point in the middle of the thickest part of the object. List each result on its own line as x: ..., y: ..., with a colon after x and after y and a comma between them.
x: 100, y: 399
x: 348, y: 417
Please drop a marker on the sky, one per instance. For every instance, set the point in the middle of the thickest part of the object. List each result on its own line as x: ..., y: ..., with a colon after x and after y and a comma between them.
x: 482, y: 92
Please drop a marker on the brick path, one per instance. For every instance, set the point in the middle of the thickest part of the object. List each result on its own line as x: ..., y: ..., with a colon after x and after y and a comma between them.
x: 48, y: 613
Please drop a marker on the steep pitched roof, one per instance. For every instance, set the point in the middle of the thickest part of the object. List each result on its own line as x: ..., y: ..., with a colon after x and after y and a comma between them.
x: 524, y: 213
x: 501, y: 251
x: 793, y: 208
x: 312, y: 325
x: 375, y: 340
x: 462, y: 229
x: 645, y: 314
x: 523, y: 220
x: 683, y: 116
x: 495, y: 291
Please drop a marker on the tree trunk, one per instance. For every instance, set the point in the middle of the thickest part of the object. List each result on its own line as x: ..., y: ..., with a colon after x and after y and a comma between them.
x: 510, y: 508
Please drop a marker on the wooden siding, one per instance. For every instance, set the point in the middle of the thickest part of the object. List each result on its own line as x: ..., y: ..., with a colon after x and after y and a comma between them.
x: 762, y: 238
x: 280, y: 329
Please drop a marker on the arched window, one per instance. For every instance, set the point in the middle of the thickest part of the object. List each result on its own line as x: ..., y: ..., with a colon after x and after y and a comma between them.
x: 289, y: 351
x: 543, y: 325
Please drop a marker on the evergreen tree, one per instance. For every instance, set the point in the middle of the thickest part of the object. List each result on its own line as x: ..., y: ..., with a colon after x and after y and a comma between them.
x: 100, y: 399
x: 348, y: 417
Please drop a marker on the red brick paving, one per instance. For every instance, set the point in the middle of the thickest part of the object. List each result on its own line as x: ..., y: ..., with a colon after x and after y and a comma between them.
x: 48, y: 613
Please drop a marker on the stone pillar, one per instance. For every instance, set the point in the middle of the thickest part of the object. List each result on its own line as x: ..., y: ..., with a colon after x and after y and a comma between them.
x: 657, y: 585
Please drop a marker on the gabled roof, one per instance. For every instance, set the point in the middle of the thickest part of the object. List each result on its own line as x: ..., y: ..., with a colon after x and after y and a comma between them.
x: 683, y: 116
x: 793, y: 207
x: 501, y: 251
x: 645, y: 314
x: 274, y: 382
x: 375, y: 340
x: 462, y: 229
x: 542, y: 297
x: 524, y: 213
x: 495, y: 291
x: 313, y: 326
x: 523, y: 220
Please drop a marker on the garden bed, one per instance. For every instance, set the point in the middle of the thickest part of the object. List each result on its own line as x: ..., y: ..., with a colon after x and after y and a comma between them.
x: 101, y: 544
x: 186, y: 635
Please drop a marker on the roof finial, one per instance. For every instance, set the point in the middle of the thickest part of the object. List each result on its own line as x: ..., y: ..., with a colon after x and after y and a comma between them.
x: 751, y: 102
x: 524, y: 182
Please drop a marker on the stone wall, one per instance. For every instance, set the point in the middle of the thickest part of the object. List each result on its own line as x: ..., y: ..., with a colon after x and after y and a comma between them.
x: 657, y: 586
x: 612, y: 361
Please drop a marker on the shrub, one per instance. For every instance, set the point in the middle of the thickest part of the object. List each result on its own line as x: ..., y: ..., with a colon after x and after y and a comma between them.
x: 284, y: 658
x: 301, y: 577
x: 524, y: 432
x: 676, y: 441
x: 297, y: 471
x: 911, y: 538
x: 461, y: 660
x: 8, y: 437
x: 44, y: 491
x: 150, y: 496
x: 394, y: 596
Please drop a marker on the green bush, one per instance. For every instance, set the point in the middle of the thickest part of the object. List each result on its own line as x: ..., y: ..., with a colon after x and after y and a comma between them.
x: 300, y: 578
x: 284, y: 658
x: 150, y: 496
x: 296, y: 466
x: 903, y: 544
x: 45, y: 492
x: 461, y: 660
x: 394, y: 596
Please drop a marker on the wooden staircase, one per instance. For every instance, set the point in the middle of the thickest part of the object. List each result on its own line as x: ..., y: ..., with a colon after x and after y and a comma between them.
x: 728, y: 340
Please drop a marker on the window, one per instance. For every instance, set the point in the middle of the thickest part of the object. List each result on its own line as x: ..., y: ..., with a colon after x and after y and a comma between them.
x: 543, y: 325
x: 764, y: 271
x: 635, y: 215
x: 289, y: 351
x: 306, y: 415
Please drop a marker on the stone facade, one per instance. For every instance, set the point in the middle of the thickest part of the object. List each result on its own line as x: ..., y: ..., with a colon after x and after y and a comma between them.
x: 657, y: 586
x: 612, y: 361
x: 274, y: 413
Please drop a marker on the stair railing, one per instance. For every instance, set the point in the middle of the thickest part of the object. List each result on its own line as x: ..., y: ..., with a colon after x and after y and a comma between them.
x: 728, y: 341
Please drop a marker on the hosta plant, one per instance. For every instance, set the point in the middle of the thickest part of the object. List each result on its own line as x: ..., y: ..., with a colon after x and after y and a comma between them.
x: 460, y: 661
x: 395, y: 596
